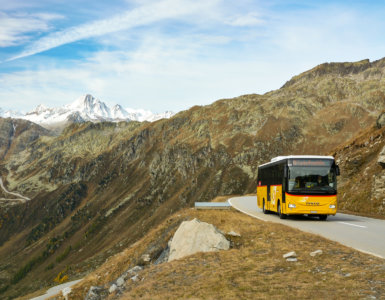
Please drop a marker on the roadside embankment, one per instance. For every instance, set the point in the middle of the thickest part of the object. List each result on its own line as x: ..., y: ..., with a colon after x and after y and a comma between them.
x: 254, y: 267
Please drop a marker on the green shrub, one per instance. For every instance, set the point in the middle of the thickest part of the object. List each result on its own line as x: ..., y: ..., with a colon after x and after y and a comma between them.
x: 62, y: 256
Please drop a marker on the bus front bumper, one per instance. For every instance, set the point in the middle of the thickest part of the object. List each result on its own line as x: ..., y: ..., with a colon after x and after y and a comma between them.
x: 317, y: 205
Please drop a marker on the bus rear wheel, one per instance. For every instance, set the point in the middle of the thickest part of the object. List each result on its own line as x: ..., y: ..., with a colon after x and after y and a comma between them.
x: 323, y: 217
x: 280, y: 214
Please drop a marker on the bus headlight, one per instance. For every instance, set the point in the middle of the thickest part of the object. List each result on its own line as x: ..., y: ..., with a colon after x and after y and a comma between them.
x: 291, y: 205
x: 332, y: 206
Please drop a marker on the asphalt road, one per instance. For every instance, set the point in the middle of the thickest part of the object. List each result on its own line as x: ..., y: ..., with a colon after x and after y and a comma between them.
x: 361, y: 233
x: 56, y: 290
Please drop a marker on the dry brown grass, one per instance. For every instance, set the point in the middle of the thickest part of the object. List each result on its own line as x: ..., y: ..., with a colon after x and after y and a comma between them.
x: 253, y: 269
x: 221, y: 198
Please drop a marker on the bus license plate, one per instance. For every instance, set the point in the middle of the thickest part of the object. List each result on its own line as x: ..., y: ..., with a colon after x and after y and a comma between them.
x: 313, y: 212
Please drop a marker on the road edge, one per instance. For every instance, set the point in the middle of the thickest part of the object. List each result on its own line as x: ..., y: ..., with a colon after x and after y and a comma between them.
x: 259, y: 218
x: 245, y: 212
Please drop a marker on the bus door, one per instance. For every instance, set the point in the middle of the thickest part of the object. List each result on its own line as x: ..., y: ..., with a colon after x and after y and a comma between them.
x: 274, y: 196
x: 284, y: 183
x: 268, y: 197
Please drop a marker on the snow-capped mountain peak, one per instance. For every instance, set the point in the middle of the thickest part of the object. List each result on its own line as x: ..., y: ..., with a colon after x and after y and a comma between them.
x: 82, y: 102
x: 118, y: 112
x: 90, y: 107
x: 40, y: 109
x: 85, y: 108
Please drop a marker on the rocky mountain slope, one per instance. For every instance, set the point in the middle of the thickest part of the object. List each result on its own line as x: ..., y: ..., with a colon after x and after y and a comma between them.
x: 362, y: 162
x: 16, y: 135
x: 99, y: 187
x: 85, y: 108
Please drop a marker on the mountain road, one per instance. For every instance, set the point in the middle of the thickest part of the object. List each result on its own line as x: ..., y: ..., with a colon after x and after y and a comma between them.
x: 364, y: 234
x: 20, y: 198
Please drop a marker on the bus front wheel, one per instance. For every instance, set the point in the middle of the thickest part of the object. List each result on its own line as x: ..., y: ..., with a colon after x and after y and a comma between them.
x: 280, y: 214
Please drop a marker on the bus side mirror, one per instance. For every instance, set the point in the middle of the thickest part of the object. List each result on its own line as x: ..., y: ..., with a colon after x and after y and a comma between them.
x: 338, y: 171
x: 285, y: 172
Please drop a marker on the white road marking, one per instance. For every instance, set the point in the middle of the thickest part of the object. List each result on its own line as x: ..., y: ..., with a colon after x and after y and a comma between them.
x: 257, y: 217
x: 371, y: 243
x: 361, y: 226
x: 245, y: 212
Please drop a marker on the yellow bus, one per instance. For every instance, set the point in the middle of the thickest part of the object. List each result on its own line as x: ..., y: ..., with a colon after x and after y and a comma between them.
x: 298, y: 185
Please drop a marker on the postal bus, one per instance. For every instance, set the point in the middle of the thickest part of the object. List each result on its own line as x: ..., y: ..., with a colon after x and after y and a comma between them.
x: 298, y: 185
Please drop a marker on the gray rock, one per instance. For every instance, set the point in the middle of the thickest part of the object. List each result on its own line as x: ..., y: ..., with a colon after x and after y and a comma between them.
x: 120, y: 281
x: 113, y: 288
x: 94, y: 293
x: 195, y: 236
x: 145, y: 259
x: 291, y: 254
x: 163, y: 257
x: 135, y: 278
x: 291, y: 259
x: 233, y: 233
x: 135, y: 270
x: 315, y: 253
x: 378, y: 186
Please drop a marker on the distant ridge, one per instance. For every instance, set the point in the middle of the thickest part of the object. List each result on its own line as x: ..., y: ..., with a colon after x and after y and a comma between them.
x: 85, y: 108
x: 339, y: 69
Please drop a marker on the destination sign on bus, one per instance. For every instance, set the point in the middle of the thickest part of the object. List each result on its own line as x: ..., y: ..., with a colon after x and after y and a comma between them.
x: 311, y: 162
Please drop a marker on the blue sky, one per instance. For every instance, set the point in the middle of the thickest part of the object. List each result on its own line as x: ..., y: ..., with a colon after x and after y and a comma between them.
x: 173, y: 54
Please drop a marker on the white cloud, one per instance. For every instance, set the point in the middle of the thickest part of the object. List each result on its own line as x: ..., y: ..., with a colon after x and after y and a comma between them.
x: 162, y: 73
x: 15, y: 28
x: 140, y: 16
x: 250, y: 19
x: 161, y: 65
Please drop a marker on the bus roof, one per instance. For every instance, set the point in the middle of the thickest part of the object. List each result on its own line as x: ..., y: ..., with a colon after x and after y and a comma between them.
x: 279, y: 158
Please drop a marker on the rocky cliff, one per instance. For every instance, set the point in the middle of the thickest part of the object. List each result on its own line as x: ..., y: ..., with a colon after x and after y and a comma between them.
x: 362, y: 180
x: 98, y: 187
x: 16, y: 135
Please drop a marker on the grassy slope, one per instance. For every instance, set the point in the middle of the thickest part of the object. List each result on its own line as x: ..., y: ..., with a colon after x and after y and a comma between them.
x: 253, y: 268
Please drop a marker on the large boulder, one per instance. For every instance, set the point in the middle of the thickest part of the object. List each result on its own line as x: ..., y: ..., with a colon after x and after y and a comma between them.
x: 196, y: 236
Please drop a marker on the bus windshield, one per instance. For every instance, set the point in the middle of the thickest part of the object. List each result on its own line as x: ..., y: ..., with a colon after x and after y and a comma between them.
x: 312, y: 180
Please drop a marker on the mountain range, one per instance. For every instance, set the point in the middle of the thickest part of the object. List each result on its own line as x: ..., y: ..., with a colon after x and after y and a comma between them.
x: 85, y: 108
x: 97, y: 188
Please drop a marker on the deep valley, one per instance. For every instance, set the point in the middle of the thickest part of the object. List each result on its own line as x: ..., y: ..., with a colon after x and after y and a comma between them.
x: 98, y: 188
